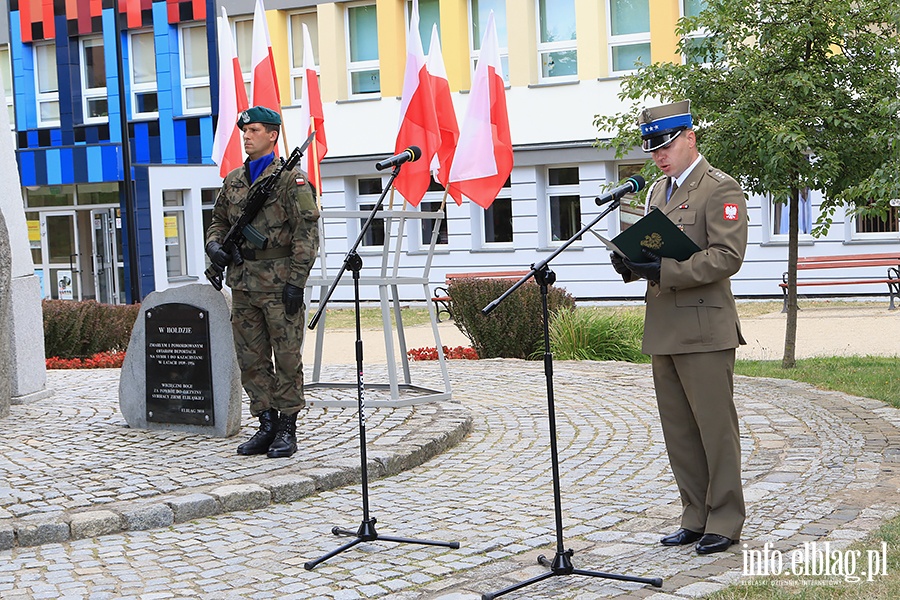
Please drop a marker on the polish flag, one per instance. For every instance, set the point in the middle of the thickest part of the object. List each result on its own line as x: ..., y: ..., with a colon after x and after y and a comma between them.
x: 313, y: 117
x: 484, y: 154
x: 263, y: 81
x: 418, y: 119
x: 227, y: 150
x: 446, y: 114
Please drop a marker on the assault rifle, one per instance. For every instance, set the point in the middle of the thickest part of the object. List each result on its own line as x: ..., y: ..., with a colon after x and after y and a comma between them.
x: 242, y: 231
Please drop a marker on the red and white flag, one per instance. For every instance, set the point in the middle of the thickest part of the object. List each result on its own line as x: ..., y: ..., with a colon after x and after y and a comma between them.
x: 484, y: 154
x: 446, y: 114
x: 418, y: 119
x: 263, y: 81
x: 313, y: 117
x: 227, y: 150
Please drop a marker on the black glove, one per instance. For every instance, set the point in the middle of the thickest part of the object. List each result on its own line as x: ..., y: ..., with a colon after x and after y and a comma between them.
x: 619, y: 265
x: 217, y: 254
x: 647, y: 270
x: 292, y: 296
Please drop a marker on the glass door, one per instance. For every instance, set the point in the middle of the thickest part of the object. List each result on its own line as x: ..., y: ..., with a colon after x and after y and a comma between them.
x: 60, y: 259
x: 105, y: 255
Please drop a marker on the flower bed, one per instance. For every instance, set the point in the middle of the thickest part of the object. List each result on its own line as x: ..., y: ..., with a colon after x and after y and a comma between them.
x: 458, y: 352
x: 101, y: 360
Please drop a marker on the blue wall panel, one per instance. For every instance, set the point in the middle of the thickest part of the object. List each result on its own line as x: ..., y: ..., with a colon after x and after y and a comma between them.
x: 66, y: 165
x: 40, y: 166
x: 26, y: 168
x: 112, y: 162
x: 95, y: 159
x: 54, y: 176
x: 82, y: 165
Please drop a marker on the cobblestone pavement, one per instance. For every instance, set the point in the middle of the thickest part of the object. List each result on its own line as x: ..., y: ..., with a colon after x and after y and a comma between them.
x: 819, y: 466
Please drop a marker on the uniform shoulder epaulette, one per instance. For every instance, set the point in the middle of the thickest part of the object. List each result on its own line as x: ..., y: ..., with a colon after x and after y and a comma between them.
x: 720, y: 175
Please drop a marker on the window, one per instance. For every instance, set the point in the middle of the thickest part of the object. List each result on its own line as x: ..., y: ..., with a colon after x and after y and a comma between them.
x: 207, y: 202
x: 144, y: 100
x: 432, y: 203
x: 629, y: 210
x: 629, y: 31
x: 556, y: 45
x: 173, y: 225
x: 429, y: 15
x: 295, y: 26
x: 696, y: 43
x: 6, y: 71
x: 498, y: 221
x: 369, y: 190
x: 362, y: 37
x: 780, y: 212
x: 876, y: 227
x: 46, y: 85
x: 564, y: 202
x: 93, y: 80
x: 195, y: 96
x: 480, y: 11
x: 243, y: 45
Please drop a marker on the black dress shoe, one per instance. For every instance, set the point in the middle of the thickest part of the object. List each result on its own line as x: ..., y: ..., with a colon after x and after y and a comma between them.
x: 682, y: 537
x: 712, y: 542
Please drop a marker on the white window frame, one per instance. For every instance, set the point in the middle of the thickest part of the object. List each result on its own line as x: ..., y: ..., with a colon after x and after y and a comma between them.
x: 478, y: 216
x: 569, y: 189
x: 193, y: 84
x: 473, y: 52
x: 362, y: 65
x: 769, y: 212
x: 296, y: 70
x: 693, y: 35
x: 6, y: 65
x: 616, y: 41
x: 49, y: 97
x: 178, y: 211
x: 242, y: 32
x: 869, y: 236
x: 91, y: 94
x: 143, y: 87
x: 546, y: 48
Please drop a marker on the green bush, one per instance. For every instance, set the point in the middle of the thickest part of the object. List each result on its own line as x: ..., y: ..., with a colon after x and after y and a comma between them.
x: 579, y: 334
x: 513, y: 329
x: 82, y: 329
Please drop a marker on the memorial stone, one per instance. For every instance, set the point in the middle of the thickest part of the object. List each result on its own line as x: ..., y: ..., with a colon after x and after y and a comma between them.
x: 26, y: 372
x: 180, y: 371
x: 6, y: 349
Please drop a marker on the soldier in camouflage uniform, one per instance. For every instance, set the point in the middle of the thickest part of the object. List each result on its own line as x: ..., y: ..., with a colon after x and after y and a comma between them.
x: 267, y: 289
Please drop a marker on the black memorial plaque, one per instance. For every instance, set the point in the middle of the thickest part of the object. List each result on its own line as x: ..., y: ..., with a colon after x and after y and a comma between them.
x: 179, y: 368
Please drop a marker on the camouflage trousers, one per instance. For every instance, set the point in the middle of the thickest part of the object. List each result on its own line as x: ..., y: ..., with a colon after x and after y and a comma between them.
x: 269, y: 346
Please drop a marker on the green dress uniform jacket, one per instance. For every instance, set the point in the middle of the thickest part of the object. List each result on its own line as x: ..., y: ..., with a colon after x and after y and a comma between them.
x: 691, y: 330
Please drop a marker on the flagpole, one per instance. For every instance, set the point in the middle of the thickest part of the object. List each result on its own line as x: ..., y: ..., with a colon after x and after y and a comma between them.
x: 287, y: 148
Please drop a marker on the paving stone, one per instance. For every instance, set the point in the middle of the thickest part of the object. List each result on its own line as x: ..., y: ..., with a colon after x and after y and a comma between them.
x: 94, y: 523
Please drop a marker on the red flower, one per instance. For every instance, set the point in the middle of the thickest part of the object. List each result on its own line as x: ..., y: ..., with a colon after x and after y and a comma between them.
x: 101, y: 360
x: 459, y: 352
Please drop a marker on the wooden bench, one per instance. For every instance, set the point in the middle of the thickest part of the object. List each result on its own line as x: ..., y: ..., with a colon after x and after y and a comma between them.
x: 441, y: 296
x: 889, y: 260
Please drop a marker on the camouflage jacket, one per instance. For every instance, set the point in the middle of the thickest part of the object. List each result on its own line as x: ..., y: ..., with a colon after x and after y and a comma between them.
x: 289, y: 218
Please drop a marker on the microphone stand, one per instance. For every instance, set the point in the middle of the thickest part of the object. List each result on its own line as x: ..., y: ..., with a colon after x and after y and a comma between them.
x: 366, y: 531
x: 562, y: 562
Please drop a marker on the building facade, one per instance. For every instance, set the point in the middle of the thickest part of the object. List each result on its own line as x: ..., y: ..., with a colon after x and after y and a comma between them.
x: 562, y: 60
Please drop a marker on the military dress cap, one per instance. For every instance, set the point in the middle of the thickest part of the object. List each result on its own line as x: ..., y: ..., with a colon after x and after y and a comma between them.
x: 258, y: 114
x: 660, y: 125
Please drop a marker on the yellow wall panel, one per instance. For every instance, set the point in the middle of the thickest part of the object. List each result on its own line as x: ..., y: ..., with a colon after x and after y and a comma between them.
x: 391, y: 45
x: 663, y: 41
x: 455, y: 43
x: 590, y: 31
x: 521, y: 27
x: 278, y: 30
x: 332, y: 52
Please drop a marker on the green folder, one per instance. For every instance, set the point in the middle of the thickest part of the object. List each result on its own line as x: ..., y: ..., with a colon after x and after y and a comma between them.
x: 655, y: 232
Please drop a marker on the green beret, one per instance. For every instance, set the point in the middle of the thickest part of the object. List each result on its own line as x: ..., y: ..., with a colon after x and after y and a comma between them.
x: 258, y: 114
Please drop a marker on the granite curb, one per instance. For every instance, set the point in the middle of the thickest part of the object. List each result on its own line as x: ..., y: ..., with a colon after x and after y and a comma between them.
x: 253, y: 493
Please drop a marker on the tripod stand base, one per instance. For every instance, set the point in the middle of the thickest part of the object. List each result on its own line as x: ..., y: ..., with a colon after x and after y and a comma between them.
x: 562, y: 565
x: 367, y: 533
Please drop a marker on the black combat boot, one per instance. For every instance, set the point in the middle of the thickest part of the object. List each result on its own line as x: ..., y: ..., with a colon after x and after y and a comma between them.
x: 262, y: 439
x: 285, y: 442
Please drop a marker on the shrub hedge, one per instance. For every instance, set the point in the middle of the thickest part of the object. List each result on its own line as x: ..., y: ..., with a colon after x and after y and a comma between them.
x: 513, y: 329
x: 83, y: 329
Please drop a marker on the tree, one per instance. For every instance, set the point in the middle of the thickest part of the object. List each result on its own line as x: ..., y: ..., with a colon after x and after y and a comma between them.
x: 786, y: 95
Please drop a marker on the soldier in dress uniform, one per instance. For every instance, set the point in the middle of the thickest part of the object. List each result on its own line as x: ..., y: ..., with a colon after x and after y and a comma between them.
x: 267, y: 288
x: 691, y: 329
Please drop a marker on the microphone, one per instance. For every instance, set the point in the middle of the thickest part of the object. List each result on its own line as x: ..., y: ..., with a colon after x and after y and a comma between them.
x: 411, y: 154
x: 633, y: 184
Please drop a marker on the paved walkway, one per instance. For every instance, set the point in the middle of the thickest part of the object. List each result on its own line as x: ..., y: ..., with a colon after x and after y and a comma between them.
x: 119, y: 513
